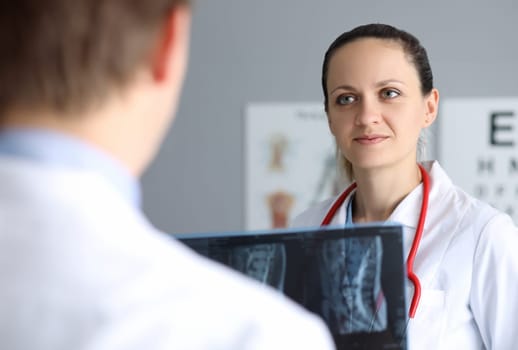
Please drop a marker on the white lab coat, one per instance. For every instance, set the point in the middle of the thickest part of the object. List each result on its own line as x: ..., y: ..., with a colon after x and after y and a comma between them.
x: 467, y: 263
x: 82, y: 269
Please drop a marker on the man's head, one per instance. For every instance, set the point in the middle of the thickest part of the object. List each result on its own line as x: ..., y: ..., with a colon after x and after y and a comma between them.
x: 62, y: 62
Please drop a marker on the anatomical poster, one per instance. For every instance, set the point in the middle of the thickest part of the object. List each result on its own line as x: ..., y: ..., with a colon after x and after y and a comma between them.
x: 290, y: 161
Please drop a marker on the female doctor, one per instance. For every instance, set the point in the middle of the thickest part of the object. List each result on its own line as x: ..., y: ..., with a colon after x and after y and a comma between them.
x: 462, y: 263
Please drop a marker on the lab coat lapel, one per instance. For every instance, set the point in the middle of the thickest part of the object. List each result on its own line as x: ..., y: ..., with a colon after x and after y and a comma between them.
x: 339, y: 217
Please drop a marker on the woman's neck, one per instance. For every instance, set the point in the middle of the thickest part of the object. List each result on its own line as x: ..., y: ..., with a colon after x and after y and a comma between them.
x: 379, y: 191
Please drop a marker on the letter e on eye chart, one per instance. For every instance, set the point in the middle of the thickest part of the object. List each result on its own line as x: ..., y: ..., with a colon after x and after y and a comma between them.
x: 478, y: 147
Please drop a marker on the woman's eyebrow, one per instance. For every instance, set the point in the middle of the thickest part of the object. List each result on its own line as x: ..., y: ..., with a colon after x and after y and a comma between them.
x: 388, y: 82
x: 378, y: 84
x: 343, y: 87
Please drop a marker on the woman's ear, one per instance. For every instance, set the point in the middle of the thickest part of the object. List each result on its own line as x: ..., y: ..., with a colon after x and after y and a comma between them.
x: 431, y: 107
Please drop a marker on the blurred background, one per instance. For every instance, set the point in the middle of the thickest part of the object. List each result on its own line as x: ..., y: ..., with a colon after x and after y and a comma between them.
x: 270, y: 51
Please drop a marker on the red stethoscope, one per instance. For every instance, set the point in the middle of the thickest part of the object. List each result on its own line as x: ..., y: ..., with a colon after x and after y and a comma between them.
x: 417, y: 238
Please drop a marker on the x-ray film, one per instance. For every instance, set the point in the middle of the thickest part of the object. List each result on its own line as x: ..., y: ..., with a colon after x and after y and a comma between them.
x: 353, y: 277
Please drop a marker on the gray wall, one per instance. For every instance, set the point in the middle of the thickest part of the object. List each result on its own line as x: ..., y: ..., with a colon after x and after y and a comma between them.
x: 271, y: 51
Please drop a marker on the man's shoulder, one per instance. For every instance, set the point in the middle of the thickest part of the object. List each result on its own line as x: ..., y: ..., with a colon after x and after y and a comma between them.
x: 108, y: 256
x: 209, y: 295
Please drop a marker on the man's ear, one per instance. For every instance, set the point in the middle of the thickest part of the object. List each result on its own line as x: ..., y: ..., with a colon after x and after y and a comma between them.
x: 431, y: 107
x: 172, y: 45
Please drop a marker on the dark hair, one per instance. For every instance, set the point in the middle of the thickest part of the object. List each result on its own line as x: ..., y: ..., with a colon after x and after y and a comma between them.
x: 65, y: 55
x: 411, y: 45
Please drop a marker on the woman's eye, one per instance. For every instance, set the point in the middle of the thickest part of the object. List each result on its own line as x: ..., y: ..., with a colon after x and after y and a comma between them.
x: 345, y: 99
x: 389, y: 93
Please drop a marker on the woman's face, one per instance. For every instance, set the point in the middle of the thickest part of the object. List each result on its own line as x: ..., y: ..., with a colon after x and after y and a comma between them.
x: 376, y: 109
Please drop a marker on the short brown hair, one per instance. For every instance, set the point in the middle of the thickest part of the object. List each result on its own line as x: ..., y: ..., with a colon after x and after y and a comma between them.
x: 65, y: 55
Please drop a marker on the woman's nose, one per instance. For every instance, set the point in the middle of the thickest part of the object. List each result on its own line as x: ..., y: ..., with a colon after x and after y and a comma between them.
x: 368, y: 112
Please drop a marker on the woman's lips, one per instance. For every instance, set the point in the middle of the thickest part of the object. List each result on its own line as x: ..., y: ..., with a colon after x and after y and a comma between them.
x: 370, y: 139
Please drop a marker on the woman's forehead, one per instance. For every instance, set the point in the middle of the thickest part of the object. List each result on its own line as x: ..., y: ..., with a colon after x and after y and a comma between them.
x: 370, y: 60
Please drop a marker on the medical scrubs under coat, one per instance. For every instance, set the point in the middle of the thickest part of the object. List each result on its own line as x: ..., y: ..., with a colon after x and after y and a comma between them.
x: 467, y: 263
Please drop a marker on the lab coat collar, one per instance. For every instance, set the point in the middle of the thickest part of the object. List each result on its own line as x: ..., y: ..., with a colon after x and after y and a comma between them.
x: 408, y: 211
x: 62, y: 150
x: 339, y: 218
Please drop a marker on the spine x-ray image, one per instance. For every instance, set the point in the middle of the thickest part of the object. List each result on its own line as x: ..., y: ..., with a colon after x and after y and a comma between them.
x: 350, y: 271
x: 352, y: 277
x: 263, y: 262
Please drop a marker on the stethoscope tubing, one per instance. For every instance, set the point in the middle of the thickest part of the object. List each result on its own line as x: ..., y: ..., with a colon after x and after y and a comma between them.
x: 415, y: 243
